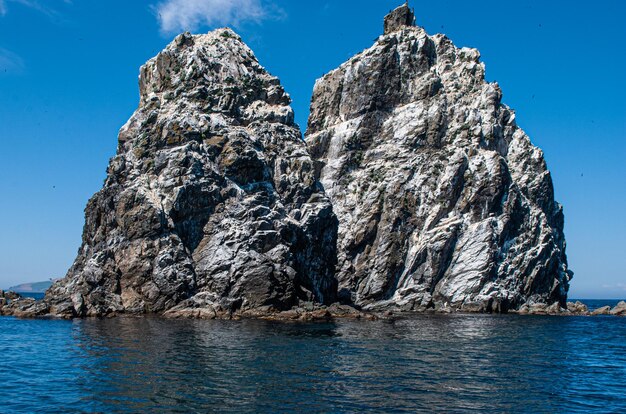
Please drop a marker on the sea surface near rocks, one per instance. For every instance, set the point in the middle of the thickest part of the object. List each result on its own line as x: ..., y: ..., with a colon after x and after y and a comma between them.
x: 34, y: 295
x: 488, y: 363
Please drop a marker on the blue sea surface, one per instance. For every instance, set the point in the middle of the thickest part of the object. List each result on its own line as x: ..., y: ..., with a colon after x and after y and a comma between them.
x: 452, y: 363
x: 34, y: 295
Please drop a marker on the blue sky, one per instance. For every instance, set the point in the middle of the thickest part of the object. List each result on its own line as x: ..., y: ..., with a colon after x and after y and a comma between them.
x: 68, y: 82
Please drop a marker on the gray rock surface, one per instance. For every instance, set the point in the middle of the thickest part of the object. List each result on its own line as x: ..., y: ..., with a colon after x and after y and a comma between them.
x: 398, y: 18
x: 577, y: 308
x: 211, y: 201
x: 604, y: 310
x: 619, y: 309
x: 9, y: 294
x: 442, y: 200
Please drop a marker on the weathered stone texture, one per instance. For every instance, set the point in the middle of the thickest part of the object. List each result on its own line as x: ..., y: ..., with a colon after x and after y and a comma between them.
x: 211, y: 200
x: 442, y: 199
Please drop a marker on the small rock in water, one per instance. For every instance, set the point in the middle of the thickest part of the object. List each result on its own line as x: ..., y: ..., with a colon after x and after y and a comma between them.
x: 555, y: 309
x: 619, y: 309
x: 578, y: 308
x: 605, y: 310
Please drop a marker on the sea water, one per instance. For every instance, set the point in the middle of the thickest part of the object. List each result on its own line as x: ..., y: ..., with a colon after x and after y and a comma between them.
x: 453, y: 363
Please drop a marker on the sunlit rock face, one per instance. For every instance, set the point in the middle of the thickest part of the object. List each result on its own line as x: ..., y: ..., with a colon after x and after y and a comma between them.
x: 442, y: 200
x: 211, y: 201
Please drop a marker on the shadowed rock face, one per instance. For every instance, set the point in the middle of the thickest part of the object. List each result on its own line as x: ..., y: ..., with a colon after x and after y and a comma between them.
x: 442, y: 199
x: 211, y: 200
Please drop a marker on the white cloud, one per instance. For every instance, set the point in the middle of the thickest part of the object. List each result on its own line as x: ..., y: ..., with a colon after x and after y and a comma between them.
x: 10, y: 62
x: 180, y: 15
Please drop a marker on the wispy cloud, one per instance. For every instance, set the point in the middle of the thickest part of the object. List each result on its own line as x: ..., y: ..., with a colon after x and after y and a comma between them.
x: 38, y: 5
x: 617, y: 286
x: 10, y: 62
x: 180, y: 15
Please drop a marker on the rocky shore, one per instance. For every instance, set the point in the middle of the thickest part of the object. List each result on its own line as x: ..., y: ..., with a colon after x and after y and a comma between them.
x: 573, y: 308
x: 12, y: 304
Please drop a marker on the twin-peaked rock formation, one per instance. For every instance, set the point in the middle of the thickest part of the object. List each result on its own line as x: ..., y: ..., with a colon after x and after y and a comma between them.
x: 417, y: 190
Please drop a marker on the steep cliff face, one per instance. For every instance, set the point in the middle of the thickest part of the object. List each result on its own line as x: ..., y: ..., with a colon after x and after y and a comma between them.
x: 442, y: 199
x: 211, y: 201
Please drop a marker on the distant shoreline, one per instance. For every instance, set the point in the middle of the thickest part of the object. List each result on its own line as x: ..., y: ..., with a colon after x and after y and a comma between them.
x: 28, y: 288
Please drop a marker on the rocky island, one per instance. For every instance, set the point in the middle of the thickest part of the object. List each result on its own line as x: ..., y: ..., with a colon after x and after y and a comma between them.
x: 414, y: 190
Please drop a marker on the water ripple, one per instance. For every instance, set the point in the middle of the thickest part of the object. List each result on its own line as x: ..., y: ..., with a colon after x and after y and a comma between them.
x: 451, y: 363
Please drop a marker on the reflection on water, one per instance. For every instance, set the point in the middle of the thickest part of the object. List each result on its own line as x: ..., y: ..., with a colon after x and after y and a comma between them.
x: 430, y: 362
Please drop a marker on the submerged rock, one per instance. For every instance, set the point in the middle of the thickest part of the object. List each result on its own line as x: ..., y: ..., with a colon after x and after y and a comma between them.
x: 442, y: 200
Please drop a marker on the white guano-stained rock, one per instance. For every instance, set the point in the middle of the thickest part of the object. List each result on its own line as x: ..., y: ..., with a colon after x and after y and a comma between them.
x: 211, y: 203
x: 442, y: 200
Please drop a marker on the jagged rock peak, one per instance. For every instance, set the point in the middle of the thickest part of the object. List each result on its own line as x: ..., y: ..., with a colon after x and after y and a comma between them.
x: 211, y: 204
x: 442, y: 200
x: 218, y: 65
x: 399, y: 18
